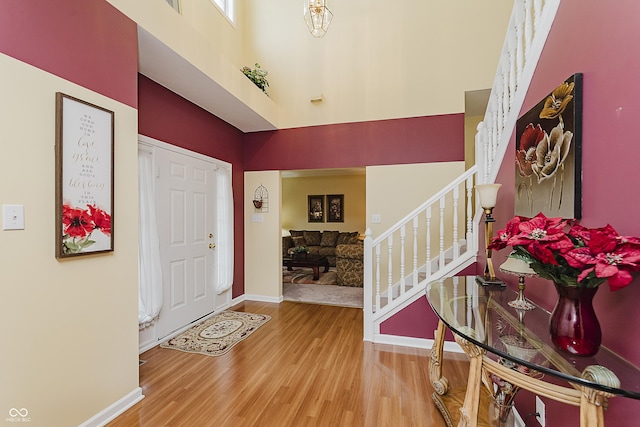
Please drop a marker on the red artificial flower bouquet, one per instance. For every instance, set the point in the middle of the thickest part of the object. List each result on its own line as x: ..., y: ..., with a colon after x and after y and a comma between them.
x: 578, y: 257
x: 78, y: 225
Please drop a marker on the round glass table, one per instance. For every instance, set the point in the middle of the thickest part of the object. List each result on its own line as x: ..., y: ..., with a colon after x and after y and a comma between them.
x: 511, y: 349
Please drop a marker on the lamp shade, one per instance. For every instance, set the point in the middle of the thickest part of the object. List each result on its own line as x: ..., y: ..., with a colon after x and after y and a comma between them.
x: 488, y: 193
x: 517, y: 267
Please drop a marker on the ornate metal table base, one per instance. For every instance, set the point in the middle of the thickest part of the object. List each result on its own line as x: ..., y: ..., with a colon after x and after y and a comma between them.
x: 462, y: 405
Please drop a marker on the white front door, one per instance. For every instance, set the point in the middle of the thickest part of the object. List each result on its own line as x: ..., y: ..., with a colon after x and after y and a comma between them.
x: 186, y: 195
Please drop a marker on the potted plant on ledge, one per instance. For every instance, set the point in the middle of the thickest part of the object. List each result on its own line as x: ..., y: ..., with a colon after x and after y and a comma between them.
x: 258, y: 76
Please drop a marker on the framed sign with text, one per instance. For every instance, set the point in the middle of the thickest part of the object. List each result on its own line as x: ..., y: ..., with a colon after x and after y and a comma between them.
x: 84, y: 177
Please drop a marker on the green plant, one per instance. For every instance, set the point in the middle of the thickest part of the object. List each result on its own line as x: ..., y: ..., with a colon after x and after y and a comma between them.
x: 258, y: 76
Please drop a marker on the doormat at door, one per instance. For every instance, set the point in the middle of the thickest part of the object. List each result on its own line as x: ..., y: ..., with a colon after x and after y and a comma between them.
x: 218, y: 334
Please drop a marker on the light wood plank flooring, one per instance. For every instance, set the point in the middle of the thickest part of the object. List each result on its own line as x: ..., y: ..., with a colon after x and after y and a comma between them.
x: 307, y: 366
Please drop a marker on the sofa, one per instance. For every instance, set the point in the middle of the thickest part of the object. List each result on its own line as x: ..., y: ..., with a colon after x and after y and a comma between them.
x: 318, y: 242
x: 350, y: 265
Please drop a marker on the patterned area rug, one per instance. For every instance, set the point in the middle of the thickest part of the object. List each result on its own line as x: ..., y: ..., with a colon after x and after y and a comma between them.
x: 305, y: 275
x: 218, y: 334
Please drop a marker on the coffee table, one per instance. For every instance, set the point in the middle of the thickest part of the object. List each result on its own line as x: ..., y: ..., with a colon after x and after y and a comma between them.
x: 308, y: 261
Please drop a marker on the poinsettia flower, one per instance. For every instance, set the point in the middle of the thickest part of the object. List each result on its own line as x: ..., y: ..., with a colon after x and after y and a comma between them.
x: 76, y: 222
x: 501, y: 241
x: 580, y: 232
x: 585, y: 257
x: 556, y: 103
x: 607, y: 255
x: 551, y: 152
x: 541, y: 236
x: 101, y: 219
x: 526, y: 153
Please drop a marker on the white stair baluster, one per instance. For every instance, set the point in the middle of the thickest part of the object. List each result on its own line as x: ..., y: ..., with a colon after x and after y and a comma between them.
x: 441, y: 259
x: 528, y: 26
x: 428, y: 243
x: 415, y: 250
x: 456, y: 243
x: 469, y: 234
x: 403, y: 284
x: 390, y: 296
x: 378, y: 276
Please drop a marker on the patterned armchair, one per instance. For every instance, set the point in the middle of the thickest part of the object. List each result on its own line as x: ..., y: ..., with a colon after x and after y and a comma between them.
x: 350, y: 265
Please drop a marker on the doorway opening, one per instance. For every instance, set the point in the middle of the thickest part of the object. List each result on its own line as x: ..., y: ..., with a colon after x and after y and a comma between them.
x: 328, y: 208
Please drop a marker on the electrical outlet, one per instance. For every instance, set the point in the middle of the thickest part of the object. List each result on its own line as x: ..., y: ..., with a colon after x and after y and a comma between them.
x: 376, y: 219
x: 540, y: 410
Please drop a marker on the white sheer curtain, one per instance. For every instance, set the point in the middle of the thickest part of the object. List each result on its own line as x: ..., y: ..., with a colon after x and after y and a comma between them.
x: 224, y: 229
x: 149, y: 267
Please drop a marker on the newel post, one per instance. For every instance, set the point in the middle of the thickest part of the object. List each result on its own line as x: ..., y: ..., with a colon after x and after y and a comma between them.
x: 368, y: 286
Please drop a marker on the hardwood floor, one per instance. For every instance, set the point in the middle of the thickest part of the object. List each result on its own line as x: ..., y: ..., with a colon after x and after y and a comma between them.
x: 307, y: 366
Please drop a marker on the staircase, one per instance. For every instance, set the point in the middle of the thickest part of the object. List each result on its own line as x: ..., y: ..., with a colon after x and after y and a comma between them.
x: 439, y: 237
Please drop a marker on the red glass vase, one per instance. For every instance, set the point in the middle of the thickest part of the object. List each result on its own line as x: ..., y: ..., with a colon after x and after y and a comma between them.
x: 574, y: 326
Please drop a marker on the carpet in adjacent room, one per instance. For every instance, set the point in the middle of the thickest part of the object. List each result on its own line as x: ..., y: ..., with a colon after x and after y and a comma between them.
x: 305, y: 275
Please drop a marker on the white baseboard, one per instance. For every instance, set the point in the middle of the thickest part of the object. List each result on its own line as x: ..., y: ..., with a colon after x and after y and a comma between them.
x: 112, y: 411
x: 449, y: 346
x: 148, y: 346
x: 262, y: 298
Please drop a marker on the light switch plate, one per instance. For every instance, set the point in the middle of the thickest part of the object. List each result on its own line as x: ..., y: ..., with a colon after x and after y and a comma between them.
x: 12, y: 217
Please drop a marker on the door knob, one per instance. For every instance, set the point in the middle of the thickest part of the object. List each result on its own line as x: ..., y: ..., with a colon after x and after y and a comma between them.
x: 211, y: 235
x: 211, y: 245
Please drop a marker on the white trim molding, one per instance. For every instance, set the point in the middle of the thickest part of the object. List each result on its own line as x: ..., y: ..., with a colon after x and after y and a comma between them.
x: 112, y: 411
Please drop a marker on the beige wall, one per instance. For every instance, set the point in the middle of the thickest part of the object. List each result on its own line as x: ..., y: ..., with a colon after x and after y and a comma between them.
x: 205, y: 39
x: 73, y: 321
x: 294, y: 201
x: 197, y: 31
x: 377, y: 61
x: 400, y: 189
x: 394, y: 191
x: 263, y: 239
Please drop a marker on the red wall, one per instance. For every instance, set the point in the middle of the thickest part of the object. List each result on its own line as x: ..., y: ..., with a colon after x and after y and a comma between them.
x: 418, y: 319
x: 165, y: 116
x: 599, y: 39
x: 607, y: 56
x: 88, y: 42
x: 383, y: 142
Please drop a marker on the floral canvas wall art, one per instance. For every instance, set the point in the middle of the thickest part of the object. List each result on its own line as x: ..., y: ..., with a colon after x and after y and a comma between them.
x: 84, y: 177
x: 548, y: 154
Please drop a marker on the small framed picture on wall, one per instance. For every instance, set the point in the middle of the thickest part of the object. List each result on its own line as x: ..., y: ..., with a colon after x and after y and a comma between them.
x: 316, y: 208
x: 335, y: 208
